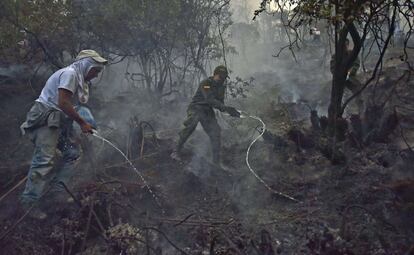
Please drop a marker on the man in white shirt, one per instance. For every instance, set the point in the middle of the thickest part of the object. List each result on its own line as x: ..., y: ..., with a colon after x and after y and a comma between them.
x: 49, y: 126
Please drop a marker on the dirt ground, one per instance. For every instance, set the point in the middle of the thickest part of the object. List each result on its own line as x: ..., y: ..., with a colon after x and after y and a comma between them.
x: 365, y: 206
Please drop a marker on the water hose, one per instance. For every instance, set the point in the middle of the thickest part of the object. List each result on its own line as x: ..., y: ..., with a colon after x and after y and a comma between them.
x: 245, y: 115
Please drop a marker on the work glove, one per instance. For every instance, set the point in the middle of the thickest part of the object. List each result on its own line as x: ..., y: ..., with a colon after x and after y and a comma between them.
x: 232, y: 111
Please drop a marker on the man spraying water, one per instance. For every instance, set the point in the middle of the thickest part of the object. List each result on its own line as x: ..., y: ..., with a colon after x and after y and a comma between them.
x: 49, y: 126
x: 209, y: 95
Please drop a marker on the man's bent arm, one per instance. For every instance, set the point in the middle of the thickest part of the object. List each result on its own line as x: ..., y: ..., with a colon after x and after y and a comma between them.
x: 65, y: 104
x: 215, y: 103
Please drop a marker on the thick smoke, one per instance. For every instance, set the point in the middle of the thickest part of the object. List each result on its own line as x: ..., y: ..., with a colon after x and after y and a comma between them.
x: 118, y: 96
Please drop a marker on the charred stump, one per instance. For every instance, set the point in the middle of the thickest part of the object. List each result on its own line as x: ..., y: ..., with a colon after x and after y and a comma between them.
x: 300, y: 139
x: 277, y: 141
x: 315, y: 121
x: 381, y: 129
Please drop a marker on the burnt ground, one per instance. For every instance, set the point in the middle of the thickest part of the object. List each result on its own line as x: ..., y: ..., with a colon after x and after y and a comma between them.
x: 362, y: 207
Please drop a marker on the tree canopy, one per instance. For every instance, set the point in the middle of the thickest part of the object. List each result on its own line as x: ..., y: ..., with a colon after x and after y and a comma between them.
x: 368, y: 23
x: 165, y: 39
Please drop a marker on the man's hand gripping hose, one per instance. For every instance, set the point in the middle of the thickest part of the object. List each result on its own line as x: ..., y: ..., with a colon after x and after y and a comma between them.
x: 244, y: 115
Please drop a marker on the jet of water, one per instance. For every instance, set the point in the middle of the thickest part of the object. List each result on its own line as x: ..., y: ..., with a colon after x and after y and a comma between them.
x: 95, y: 134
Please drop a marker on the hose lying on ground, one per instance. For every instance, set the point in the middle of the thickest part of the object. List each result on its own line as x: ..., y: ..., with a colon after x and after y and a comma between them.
x: 245, y: 115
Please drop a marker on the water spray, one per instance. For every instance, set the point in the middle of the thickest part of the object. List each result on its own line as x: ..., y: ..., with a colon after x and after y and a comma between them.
x: 244, y: 115
x: 95, y: 134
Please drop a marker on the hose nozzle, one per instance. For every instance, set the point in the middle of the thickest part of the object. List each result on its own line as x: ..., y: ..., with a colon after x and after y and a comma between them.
x: 243, y: 115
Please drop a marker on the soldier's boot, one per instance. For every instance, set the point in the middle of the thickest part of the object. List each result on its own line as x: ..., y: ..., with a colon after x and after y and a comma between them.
x: 216, y: 160
x: 190, y: 124
x: 216, y: 152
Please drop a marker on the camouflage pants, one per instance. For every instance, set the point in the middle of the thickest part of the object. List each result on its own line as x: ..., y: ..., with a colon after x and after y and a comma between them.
x: 207, y: 118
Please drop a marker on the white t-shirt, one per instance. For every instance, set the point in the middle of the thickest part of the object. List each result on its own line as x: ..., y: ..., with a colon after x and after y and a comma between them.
x: 65, y: 78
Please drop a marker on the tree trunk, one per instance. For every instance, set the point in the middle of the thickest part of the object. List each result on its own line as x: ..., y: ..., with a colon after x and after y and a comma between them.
x: 339, y: 73
x: 342, y: 63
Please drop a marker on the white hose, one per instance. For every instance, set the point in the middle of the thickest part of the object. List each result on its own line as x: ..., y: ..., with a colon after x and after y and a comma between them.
x: 243, y: 115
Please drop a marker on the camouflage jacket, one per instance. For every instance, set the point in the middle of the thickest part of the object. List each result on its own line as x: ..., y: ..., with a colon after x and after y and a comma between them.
x: 210, y: 93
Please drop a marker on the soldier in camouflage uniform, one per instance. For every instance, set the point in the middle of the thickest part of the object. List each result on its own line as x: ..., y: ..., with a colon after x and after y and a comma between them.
x: 209, y: 95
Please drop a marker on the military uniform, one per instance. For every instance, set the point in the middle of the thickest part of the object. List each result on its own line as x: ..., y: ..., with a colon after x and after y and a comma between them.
x: 209, y: 95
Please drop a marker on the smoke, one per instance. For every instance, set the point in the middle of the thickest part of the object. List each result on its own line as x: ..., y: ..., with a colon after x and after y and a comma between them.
x: 118, y: 96
x: 300, y: 74
x: 15, y: 72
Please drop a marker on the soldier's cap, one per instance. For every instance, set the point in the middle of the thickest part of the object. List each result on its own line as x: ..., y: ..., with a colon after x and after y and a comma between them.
x: 221, y: 69
x: 91, y: 54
